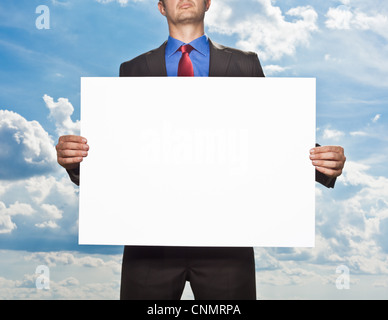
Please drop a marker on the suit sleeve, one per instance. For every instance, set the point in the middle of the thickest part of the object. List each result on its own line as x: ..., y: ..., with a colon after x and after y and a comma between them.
x: 257, y: 69
x: 74, y: 175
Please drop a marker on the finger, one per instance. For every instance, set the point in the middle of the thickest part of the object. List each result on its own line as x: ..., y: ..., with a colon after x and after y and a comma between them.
x: 69, y: 161
x: 72, y: 138
x: 327, y: 156
x: 324, y: 149
x: 72, y: 146
x: 329, y: 172
x: 328, y: 164
x: 71, y: 153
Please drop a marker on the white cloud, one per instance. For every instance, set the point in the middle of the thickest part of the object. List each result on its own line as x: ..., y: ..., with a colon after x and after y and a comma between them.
x: 71, y: 275
x: 51, y: 211
x: 46, y: 200
x: 20, y: 208
x: 358, y: 134
x: 330, y: 58
x: 26, y: 148
x: 47, y: 224
x: 6, y: 223
x: 27, y: 155
x: 273, y: 69
x: 356, y: 174
x: 332, y: 134
x: 69, y: 288
x: 383, y: 283
x: 61, y: 112
x: 60, y: 3
x: 376, y: 118
x: 359, y: 56
x: 39, y: 187
x: 346, y: 18
x: 69, y: 282
x: 354, y: 41
x: 263, y: 28
x: 339, y: 18
x: 53, y: 259
x: 354, y: 223
x: 122, y: 3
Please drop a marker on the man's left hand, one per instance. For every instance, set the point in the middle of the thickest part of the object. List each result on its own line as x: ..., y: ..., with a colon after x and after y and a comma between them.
x: 329, y: 160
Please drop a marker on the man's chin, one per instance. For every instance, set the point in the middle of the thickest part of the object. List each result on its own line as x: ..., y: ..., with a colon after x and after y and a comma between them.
x: 189, y: 17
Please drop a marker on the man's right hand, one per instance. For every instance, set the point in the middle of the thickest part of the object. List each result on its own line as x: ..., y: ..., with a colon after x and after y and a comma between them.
x: 71, y: 150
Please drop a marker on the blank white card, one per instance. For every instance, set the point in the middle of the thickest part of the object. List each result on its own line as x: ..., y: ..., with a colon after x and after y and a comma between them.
x: 198, y: 162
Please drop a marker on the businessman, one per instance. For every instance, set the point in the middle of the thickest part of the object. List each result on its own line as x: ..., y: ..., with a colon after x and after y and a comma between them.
x: 216, y: 272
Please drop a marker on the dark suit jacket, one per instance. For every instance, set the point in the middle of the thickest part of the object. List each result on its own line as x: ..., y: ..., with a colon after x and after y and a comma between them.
x: 224, y: 62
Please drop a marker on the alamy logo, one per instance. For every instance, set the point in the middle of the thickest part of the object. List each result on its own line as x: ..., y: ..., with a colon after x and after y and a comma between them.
x: 195, y: 146
x: 43, y: 280
x: 43, y: 20
x: 342, y: 281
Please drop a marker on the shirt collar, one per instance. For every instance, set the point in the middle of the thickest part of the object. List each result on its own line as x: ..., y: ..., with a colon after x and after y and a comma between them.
x: 200, y: 44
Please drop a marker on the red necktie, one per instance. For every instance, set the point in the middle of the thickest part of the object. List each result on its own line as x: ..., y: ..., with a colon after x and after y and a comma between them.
x: 185, y: 67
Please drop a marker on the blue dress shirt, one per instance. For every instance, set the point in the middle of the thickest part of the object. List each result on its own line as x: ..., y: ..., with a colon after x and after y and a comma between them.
x: 200, y: 56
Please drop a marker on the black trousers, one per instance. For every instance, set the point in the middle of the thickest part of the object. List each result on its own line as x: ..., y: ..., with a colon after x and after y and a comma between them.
x: 214, y: 273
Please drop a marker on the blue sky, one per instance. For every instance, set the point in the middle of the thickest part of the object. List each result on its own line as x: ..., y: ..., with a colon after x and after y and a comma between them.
x: 341, y: 43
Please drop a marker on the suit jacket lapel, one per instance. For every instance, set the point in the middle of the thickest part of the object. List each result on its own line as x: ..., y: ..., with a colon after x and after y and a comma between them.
x: 156, y: 61
x: 219, y: 60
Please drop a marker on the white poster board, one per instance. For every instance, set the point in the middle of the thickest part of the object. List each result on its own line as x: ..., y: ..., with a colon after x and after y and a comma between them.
x: 198, y: 162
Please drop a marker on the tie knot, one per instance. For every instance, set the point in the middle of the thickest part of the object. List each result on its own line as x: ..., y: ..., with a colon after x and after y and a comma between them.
x: 186, y: 48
